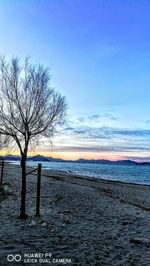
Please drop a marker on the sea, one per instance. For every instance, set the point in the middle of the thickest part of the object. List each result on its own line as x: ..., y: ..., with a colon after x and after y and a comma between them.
x: 129, y: 173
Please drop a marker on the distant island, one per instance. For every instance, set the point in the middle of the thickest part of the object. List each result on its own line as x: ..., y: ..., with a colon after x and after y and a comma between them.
x: 41, y: 158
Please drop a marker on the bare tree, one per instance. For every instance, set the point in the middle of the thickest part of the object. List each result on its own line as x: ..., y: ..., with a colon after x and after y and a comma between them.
x: 29, y: 108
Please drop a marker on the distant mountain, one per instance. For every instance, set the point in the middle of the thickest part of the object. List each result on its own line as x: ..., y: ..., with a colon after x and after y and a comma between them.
x: 106, y: 161
x: 92, y: 161
x: 125, y: 162
x: 38, y: 158
x: 10, y: 157
x: 42, y: 158
x: 144, y: 163
x: 51, y: 159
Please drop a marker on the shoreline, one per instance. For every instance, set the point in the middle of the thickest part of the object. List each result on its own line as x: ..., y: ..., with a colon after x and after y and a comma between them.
x: 84, y: 176
x: 90, y: 178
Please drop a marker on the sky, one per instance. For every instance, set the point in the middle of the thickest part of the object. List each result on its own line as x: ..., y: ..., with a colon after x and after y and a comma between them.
x: 98, y: 53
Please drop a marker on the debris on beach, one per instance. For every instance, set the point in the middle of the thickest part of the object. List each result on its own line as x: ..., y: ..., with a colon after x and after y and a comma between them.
x: 65, y: 218
x: 33, y: 223
x: 67, y: 211
x: 7, y: 188
x: 2, y: 193
x: 140, y: 240
x: 43, y: 223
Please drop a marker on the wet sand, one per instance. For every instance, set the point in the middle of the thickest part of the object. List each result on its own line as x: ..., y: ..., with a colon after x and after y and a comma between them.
x: 86, y: 220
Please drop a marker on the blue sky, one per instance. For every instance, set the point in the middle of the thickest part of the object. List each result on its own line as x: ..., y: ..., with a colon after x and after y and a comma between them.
x: 99, y: 55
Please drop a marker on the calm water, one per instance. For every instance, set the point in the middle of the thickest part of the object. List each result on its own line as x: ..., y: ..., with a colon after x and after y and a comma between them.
x: 136, y: 173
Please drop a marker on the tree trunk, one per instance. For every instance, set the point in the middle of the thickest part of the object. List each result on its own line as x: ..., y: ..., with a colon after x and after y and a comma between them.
x: 23, y: 214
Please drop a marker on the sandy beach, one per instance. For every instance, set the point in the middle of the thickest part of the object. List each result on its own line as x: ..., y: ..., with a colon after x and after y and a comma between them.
x: 84, y: 221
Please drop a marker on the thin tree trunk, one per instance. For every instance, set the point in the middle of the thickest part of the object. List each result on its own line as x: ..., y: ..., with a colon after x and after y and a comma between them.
x: 23, y: 214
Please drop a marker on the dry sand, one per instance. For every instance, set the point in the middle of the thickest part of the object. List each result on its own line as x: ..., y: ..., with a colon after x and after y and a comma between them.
x: 89, y: 221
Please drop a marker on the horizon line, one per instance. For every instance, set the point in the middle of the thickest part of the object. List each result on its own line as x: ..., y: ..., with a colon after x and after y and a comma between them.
x: 139, y: 160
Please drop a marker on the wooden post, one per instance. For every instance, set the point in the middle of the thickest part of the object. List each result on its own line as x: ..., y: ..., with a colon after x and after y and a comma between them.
x: 2, y: 171
x: 38, y: 191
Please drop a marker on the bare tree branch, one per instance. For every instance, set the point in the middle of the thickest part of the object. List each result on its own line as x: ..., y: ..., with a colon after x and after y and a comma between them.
x: 28, y: 105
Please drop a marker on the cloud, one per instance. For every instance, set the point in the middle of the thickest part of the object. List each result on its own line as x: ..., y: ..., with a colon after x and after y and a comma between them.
x: 81, y: 119
x: 132, y: 132
x: 91, y: 117
x: 138, y: 158
x: 107, y: 132
x: 147, y: 121
x: 94, y: 118
x: 104, y: 139
x: 102, y: 148
x: 86, y: 133
x: 103, y: 116
x: 68, y: 129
